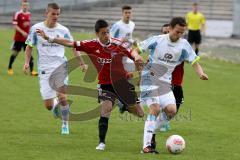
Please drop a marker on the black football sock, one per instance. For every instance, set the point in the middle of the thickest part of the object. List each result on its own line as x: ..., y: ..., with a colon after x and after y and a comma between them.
x: 196, y: 50
x: 103, y: 127
x: 12, y: 58
x: 31, y: 64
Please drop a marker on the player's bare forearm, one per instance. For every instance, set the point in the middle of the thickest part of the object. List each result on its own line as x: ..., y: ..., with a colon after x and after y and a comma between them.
x: 135, y: 55
x: 17, y: 28
x: 82, y: 64
x: 28, y: 54
x: 198, y: 69
x: 61, y: 41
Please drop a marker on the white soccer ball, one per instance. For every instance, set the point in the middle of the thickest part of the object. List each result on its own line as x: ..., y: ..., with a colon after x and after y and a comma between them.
x: 175, y: 144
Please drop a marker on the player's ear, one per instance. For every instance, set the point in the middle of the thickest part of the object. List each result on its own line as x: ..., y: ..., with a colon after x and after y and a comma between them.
x: 97, y: 34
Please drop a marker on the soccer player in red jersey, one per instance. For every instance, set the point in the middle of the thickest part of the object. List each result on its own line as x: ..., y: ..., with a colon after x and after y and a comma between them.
x: 106, y: 54
x: 21, y: 23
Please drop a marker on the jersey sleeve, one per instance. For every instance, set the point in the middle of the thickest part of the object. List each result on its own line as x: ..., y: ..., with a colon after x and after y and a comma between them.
x: 203, y: 20
x: 68, y: 35
x: 114, y: 31
x: 149, y: 43
x: 82, y: 45
x: 15, y: 19
x: 188, y: 54
x: 32, y: 37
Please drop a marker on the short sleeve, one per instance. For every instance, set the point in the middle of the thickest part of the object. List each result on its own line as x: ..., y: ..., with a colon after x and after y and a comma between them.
x: 32, y: 37
x: 203, y: 20
x: 114, y: 31
x: 15, y: 19
x: 68, y: 35
x: 149, y: 43
x: 188, y: 54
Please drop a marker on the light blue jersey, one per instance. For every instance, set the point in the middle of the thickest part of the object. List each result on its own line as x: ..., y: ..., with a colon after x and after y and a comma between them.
x: 50, y: 55
x: 165, y: 55
x: 122, y: 30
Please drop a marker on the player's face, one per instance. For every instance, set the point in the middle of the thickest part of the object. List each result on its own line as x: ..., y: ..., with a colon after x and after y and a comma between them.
x: 176, y: 32
x: 25, y: 7
x: 104, y: 35
x: 195, y: 8
x: 165, y: 30
x: 52, y: 15
x: 127, y: 15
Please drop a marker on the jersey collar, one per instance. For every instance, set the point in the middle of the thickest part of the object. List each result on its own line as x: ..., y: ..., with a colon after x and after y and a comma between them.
x: 104, y: 45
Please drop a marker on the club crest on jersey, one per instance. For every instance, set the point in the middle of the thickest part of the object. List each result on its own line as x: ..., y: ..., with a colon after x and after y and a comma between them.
x: 168, y: 56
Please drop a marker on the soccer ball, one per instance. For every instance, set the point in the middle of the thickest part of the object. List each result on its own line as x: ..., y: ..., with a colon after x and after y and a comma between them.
x: 175, y: 144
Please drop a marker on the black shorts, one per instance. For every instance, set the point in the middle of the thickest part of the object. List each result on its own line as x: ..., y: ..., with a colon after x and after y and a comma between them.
x: 17, y: 46
x: 178, y: 94
x: 122, y: 90
x: 194, y: 36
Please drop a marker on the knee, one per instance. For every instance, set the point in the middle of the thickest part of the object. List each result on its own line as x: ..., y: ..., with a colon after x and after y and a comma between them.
x: 62, y: 100
x: 171, y: 111
x: 155, y: 109
x: 48, y: 107
x: 106, y: 108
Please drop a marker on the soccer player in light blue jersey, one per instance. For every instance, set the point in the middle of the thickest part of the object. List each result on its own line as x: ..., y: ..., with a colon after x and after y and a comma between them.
x: 166, y: 52
x: 52, y: 63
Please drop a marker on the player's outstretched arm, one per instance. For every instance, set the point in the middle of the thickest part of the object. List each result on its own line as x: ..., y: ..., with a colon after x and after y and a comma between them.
x: 197, y: 67
x: 136, y: 56
x: 62, y: 41
x: 82, y: 64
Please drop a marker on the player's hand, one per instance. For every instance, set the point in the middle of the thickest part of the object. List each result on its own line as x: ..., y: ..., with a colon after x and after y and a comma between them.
x: 26, y: 68
x: 204, y: 76
x: 42, y: 34
x: 84, y: 67
x: 24, y: 34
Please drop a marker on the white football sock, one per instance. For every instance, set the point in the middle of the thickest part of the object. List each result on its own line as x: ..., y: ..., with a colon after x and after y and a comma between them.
x: 65, y: 114
x: 149, y: 128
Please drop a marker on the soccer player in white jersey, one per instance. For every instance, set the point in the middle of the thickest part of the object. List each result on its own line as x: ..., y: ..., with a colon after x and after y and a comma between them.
x: 52, y: 64
x: 123, y: 29
x: 166, y: 52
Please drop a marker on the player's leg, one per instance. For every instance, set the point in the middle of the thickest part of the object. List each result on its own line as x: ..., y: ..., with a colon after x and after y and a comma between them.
x: 106, y: 97
x: 136, y: 110
x: 197, y: 40
x: 150, y: 127
x: 126, y: 94
x: 49, y: 95
x: 16, y: 48
x: 178, y: 94
x: 64, y: 107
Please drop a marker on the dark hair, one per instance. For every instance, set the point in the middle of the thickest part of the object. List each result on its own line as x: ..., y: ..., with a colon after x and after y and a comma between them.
x: 126, y: 8
x: 195, y: 4
x: 53, y: 6
x: 178, y: 20
x: 166, y: 25
x: 100, y: 24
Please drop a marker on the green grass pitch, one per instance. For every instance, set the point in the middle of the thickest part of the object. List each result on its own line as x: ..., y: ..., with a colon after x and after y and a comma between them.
x: 208, y: 120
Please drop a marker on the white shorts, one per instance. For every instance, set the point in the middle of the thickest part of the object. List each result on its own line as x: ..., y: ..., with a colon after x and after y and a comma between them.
x: 162, y: 100
x: 50, y: 82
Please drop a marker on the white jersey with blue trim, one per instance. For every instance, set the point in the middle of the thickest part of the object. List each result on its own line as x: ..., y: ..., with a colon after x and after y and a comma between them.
x: 165, y: 55
x: 122, y: 30
x: 50, y: 55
